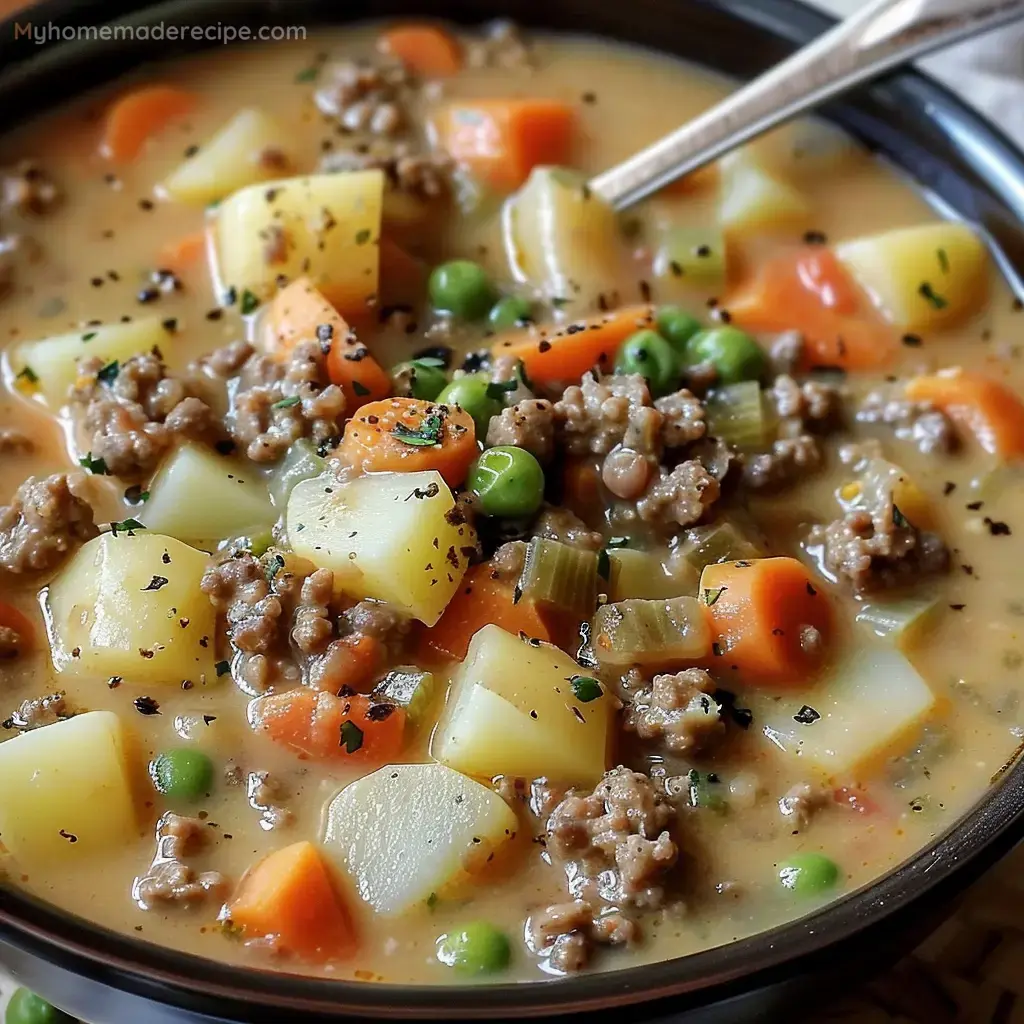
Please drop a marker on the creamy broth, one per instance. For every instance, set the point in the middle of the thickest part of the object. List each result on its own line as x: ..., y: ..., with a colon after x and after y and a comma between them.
x: 96, y: 249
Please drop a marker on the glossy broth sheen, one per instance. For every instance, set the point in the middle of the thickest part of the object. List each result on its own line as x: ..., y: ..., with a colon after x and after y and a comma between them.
x: 99, y: 243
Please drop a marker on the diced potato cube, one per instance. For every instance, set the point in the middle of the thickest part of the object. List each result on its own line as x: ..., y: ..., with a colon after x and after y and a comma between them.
x: 250, y: 148
x: 869, y: 708
x: 54, y: 361
x: 385, y: 536
x: 514, y: 710
x: 922, y: 277
x: 753, y: 201
x: 410, y: 832
x: 130, y: 605
x: 200, y: 496
x: 66, y: 790
x: 325, y: 227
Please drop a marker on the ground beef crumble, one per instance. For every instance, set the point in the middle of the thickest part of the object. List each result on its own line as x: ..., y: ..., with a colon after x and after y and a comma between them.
x: 500, y: 46
x: 615, y: 849
x: 677, y: 709
x: 365, y: 97
x: 46, y: 519
x: 920, y: 423
x: 682, y: 496
x: 424, y: 175
x: 28, y: 190
x: 266, y: 795
x: 801, y: 802
x: 170, y: 878
x: 561, y: 524
x: 529, y: 424
x: 39, y: 711
x: 15, y: 442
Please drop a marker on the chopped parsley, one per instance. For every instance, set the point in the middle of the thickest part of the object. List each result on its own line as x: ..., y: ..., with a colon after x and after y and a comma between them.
x: 428, y: 433
x: 26, y: 373
x: 432, y: 900
x: 223, y: 668
x: 362, y: 237
x: 931, y: 296
x: 249, y: 303
x: 126, y: 526
x: 109, y: 373
x: 351, y: 736
x: 360, y: 389
x: 156, y: 583
x: 146, y: 706
x: 96, y: 466
x: 498, y: 389
x: 89, y: 336
x: 135, y: 495
x: 287, y: 403
x: 585, y: 688
x: 943, y: 258
x: 604, y: 564
x: 898, y: 518
x: 712, y: 594
x: 308, y: 74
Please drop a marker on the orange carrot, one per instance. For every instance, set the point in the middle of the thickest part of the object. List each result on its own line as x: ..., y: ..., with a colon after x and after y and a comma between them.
x: 373, y: 439
x: 320, y: 726
x: 183, y: 253
x: 553, y: 355
x: 480, y: 601
x: 502, y: 140
x: 581, y: 490
x: 427, y: 50
x: 18, y: 623
x: 759, y: 611
x: 695, y: 181
x: 353, y: 661
x: 401, y: 275
x: 985, y: 407
x: 300, y: 312
x: 139, y: 115
x: 809, y: 290
x: 289, y: 897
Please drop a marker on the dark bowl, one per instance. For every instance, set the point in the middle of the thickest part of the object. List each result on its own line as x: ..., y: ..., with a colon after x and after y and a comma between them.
x: 954, y: 154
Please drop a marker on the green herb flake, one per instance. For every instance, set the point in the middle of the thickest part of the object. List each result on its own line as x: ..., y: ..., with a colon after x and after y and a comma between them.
x: 223, y: 668
x: 95, y: 466
x: 89, y: 336
x: 432, y: 901
x: 360, y: 389
x: 585, y: 688
x: 427, y: 434
x: 931, y: 296
x: 898, y: 518
x: 362, y: 237
x: 309, y: 74
x: 128, y: 526
x: 604, y: 564
x: 135, y: 495
x: 250, y: 303
x: 943, y: 258
x: 108, y: 374
x: 273, y: 567
x: 351, y: 736
x: 26, y: 373
x: 287, y: 403
x: 712, y: 594
x: 498, y: 389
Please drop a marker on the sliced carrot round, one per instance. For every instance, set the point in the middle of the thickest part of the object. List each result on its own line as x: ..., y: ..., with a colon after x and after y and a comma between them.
x: 408, y: 435
x: 139, y: 115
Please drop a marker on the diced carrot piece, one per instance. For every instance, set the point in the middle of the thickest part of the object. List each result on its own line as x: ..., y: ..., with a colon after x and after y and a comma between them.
x: 695, y: 181
x: 22, y: 633
x: 502, y: 140
x: 299, y: 312
x: 553, y: 355
x: 139, y: 115
x: 321, y: 726
x: 810, y: 291
x: 427, y: 50
x: 759, y: 611
x: 979, y: 404
x: 373, y: 439
x: 480, y: 601
x: 289, y: 897
x: 183, y: 253
x: 401, y: 275
x: 581, y: 490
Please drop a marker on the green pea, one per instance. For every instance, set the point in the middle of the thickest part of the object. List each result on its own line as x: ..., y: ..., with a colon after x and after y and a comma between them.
x: 808, y: 873
x: 470, y: 393
x: 650, y: 355
x: 422, y: 379
x: 462, y: 288
x: 737, y: 357
x: 508, y: 312
x: 475, y: 948
x: 508, y: 481
x: 26, y: 1007
x: 676, y: 326
x: 182, y: 774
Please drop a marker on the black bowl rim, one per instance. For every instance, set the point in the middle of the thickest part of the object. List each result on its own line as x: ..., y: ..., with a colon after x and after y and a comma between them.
x: 936, y: 873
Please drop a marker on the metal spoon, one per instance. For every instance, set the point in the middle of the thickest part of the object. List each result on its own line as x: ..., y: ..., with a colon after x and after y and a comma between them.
x: 874, y: 40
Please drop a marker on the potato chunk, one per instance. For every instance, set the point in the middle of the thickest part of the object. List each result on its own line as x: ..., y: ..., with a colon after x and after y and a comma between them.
x: 54, y: 361
x: 410, y: 831
x: 66, y: 790
x: 385, y: 536
x: 515, y: 710
x: 325, y: 227
x: 921, y: 277
x: 248, y: 149
x: 131, y: 606
x: 199, y: 495
x: 754, y: 201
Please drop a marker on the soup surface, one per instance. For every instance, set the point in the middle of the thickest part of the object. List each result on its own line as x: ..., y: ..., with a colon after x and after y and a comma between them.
x: 413, y: 571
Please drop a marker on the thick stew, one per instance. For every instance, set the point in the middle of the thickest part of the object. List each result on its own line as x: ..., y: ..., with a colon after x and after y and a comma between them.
x: 412, y: 571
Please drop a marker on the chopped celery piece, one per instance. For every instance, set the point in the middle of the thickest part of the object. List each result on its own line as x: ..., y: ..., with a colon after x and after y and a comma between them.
x: 650, y: 633
x: 642, y: 574
x: 703, y: 790
x: 561, y: 576
x: 901, y: 621
x: 736, y: 414
x: 410, y: 688
x: 722, y: 542
x: 300, y: 463
x: 696, y: 254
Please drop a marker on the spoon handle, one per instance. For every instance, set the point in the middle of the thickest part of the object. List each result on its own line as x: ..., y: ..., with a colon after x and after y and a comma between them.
x: 878, y: 37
